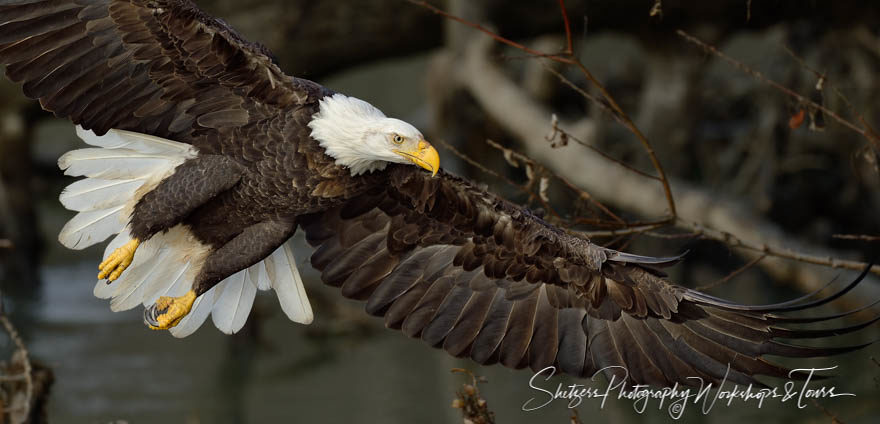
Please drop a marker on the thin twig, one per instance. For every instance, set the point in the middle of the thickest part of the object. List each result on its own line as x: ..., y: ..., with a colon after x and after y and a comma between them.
x: 676, y: 236
x: 803, y: 63
x: 862, y: 237
x: 481, y: 167
x: 624, y: 232
x: 589, y: 197
x: 584, y: 93
x: 734, y: 241
x: 524, y: 189
x: 864, y: 132
x: 629, y: 124
x: 829, y: 414
x: 876, y: 379
x: 824, y: 81
x: 730, y: 276
x: 569, y: 45
x: 495, y: 36
x: 605, y: 155
x: 585, y: 195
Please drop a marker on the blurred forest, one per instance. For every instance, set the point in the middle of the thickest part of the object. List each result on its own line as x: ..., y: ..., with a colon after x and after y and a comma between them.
x: 763, y: 116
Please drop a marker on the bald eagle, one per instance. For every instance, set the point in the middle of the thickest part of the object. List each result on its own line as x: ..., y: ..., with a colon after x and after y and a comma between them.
x: 206, y: 159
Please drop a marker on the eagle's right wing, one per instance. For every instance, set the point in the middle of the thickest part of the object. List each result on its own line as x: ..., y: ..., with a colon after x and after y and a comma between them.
x: 158, y: 67
x: 447, y: 262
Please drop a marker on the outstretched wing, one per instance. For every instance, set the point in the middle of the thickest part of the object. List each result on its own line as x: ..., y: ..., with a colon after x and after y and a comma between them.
x: 159, y: 67
x: 451, y: 264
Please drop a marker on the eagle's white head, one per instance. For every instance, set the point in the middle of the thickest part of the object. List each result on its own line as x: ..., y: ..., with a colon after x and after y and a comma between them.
x: 361, y: 138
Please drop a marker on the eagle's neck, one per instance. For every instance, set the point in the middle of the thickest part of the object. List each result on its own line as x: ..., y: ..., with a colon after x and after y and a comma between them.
x: 343, y: 127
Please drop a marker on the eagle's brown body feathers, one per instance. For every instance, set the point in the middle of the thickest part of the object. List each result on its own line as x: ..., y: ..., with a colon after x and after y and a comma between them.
x: 438, y: 258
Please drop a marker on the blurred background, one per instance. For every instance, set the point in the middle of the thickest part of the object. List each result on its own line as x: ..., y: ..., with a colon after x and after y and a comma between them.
x: 743, y: 157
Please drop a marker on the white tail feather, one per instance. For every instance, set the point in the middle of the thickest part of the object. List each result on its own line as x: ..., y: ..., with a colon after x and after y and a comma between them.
x: 120, y: 139
x: 102, y: 201
x: 93, y: 193
x: 288, y: 285
x: 234, y: 303
x: 88, y: 228
x: 173, y: 281
x: 112, y: 164
x: 123, y: 167
x: 130, y: 292
x: 259, y: 277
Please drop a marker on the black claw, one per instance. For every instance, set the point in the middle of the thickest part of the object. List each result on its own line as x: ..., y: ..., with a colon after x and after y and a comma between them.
x: 151, y: 315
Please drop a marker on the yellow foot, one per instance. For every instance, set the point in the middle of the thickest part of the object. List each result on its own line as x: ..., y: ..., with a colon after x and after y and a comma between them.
x: 118, y: 261
x: 168, y: 311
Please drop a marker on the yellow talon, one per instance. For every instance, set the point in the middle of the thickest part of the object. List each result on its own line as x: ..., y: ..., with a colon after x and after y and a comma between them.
x: 168, y: 311
x: 118, y: 261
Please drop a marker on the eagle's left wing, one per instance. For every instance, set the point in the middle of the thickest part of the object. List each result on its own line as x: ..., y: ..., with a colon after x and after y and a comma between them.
x: 463, y: 270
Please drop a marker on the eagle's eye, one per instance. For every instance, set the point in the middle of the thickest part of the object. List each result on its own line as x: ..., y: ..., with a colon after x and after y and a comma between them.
x: 397, y: 139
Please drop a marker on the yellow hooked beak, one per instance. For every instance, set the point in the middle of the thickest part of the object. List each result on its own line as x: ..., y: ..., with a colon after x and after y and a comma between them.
x: 425, y: 156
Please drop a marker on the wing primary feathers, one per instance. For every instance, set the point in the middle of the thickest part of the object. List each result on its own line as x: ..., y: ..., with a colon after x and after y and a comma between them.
x: 493, y: 331
x: 544, y: 344
x: 845, y: 290
x: 519, y: 331
x: 447, y: 315
x: 788, y: 306
x: 634, y: 356
x: 796, y: 351
x: 659, y: 353
x: 572, y: 343
x: 472, y: 318
x: 813, y: 334
x: 806, y: 320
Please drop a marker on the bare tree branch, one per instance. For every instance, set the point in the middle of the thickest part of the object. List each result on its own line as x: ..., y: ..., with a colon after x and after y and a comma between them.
x: 706, y: 214
x: 569, y: 58
x: 487, y: 31
x: 862, y: 237
x: 733, y: 274
x: 20, y: 408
